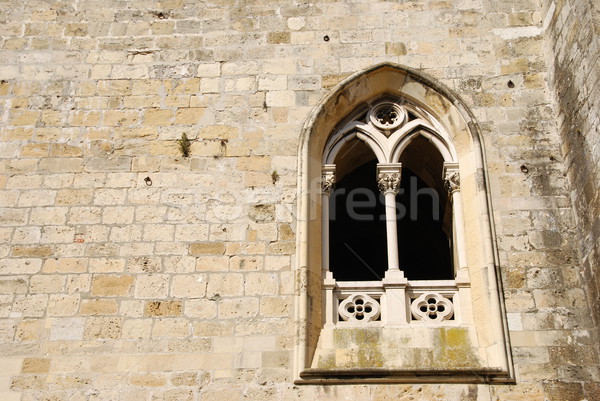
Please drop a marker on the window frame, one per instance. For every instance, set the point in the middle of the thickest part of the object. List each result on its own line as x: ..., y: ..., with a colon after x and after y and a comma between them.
x: 462, y: 133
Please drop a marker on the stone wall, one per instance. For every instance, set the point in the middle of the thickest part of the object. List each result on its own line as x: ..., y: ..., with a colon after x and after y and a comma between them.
x: 130, y: 272
x: 576, y: 78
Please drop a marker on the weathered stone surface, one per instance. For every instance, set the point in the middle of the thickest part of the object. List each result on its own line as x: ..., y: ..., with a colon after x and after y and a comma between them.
x: 130, y: 271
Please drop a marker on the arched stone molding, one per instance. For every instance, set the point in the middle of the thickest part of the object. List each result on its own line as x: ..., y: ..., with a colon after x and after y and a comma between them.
x: 451, y: 128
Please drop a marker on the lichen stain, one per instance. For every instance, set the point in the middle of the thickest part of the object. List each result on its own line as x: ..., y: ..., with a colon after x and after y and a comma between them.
x: 327, y: 361
x: 373, y: 348
x: 437, y: 102
x: 358, y: 348
x: 454, y: 349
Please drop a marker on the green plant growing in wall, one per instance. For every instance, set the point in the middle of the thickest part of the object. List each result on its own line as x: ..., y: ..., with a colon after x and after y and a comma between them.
x: 184, y: 145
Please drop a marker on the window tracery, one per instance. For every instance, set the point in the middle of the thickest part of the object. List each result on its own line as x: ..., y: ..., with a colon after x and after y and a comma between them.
x: 384, y: 129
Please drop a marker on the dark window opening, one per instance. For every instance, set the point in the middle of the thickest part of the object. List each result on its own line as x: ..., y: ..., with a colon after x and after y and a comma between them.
x: 358, y: 250
x: 423, y: 246
x: 357, y: 227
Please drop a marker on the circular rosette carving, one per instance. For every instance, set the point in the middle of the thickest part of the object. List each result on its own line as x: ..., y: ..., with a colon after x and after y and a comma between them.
x: 387, y: 116
x: 359, y: 308
x: 432, y: 307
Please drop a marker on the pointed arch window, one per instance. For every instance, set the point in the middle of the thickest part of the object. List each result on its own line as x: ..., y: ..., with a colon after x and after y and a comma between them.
x: 395, y: 239
x: 388, y: 218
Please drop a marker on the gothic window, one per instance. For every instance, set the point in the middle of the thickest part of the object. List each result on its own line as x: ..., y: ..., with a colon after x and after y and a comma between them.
x: 357, y: 240
x: 396, y: 251
x: 386, y: 172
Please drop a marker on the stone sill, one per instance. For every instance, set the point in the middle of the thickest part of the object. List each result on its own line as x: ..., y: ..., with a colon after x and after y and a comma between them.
x: 384, y: 375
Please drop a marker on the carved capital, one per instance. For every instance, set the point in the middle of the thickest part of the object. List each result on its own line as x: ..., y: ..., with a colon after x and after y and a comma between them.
x: 388, y: 182
x: 388, y: 177
x: 451, y: 177
x: 328, y: 178
x: 452, y: 182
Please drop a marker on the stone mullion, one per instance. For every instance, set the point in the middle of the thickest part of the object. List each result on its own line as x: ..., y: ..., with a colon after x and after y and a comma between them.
x: 452, y: 185
x: 388, y: 180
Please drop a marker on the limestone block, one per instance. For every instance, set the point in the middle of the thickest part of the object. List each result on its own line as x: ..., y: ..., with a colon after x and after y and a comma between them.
x: 273, y: 82
x: 234, y: 308
x: 130, y: 232
x: 63, y: 304
x: 37, y: 198
x: 246, y: 248
x: 224, y: 284
x: 275, y: 262
x: 152, y: 286
x: 254, y: 163
x: 189, y: 286
x: 147, y: 379
x: 275, y: 306
x: 137, y: 328
x: 65, y: 329
x: 118, y: 215
x: 261, y: 284
x: 200, y: 309
x: 212, y: 263
x: 281, y: 98
x: 71, y: 196
x: 39, y: 251
x: 176, y: 395
x: 98, y: 307
x: 85, y: 215
x: 78, y: 283
x: 246, y: 263
x: 162, y: 308
x: 29, y: 305
x: 20, y: 266
x: 14, y: 217
x: 35, y: 365
x: 111, y: 285
x: 209, y: 70
x: 61, y: 234
x: 179, y: 264
x: 208, y: 248
x: 171, y: 328
x: 131, y: 307
x: 109, y: 196
x: 282, y: 247
x: 276, y: 359
x: 13, y: 284
x: 103, y: 327
x: 24, y: 117
x: 189, y: 116
x: 28, y: 330
x: 191, y: 232
x: 47, y: 284
x: 65, y: 265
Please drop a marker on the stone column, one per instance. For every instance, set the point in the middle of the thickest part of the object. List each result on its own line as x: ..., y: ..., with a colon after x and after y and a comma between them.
x: 462, y: 306
x: 394, y: 283
x: 388, y: 180
x: 327, y: 184
x: 452, y: 185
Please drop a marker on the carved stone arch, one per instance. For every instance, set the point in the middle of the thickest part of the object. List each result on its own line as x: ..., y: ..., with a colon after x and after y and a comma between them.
x: 404, y: 137
x: 349, y: 132
x: 485, y: 356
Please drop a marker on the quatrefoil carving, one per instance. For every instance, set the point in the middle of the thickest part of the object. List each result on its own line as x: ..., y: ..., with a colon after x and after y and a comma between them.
x: 387, y: 116
x: 432, y: 307
x: 359, y: 308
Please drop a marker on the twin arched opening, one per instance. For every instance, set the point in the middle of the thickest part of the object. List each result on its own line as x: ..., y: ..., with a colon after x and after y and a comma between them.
x: 392, y: 135
x: 369, y: 274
